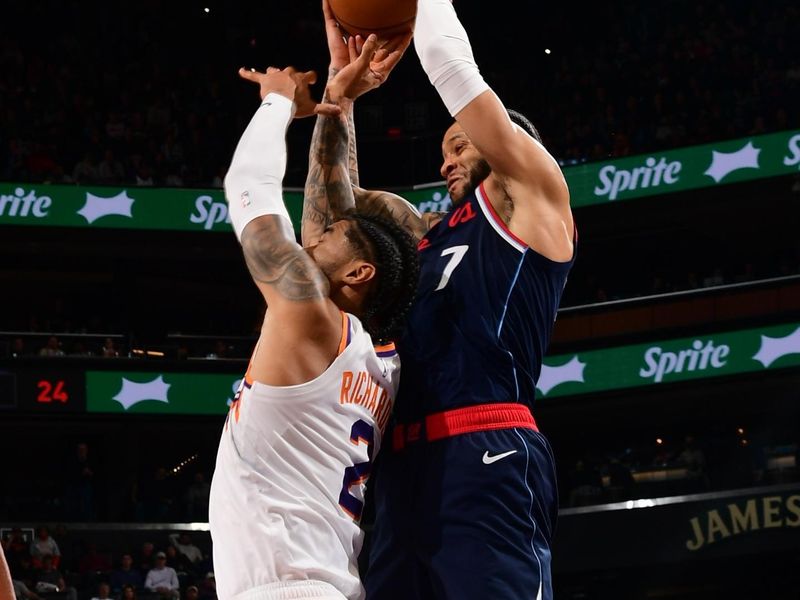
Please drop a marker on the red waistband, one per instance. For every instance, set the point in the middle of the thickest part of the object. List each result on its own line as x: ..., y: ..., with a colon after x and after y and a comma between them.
x: 481, y: 417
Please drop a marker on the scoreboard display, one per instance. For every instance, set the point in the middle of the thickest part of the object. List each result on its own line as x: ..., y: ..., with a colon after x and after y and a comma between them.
x: 45, y: 390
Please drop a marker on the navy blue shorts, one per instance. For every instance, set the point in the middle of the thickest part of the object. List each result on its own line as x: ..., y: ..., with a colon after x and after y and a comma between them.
x: 468, y: 516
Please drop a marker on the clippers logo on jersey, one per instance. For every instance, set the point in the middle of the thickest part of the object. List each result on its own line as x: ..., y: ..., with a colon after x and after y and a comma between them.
x: 363, y: 389
x: 483, y: 291
x: 462, y: 214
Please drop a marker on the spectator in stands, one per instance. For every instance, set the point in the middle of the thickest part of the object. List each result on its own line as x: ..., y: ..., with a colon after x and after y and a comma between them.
x: 587, y: 485
x: 80, y: 473
x: 146, y: 558
x: 25, y: 571
x: 85, y: 172
x: 52, y: 348
x: 192, y: 593
x: 110, y: 171
x: 182, y: 565
x: 103, y: 592
x: 49, y: 580
x: 694, y: 460
x: 18, y: 348
x: 183, y: 543
x: 15, y: 547
x: 128, y: 592
x: 125, y: 575
x: 23, y: 592
x: 620, y: 480
x: 197, y: 499
x: 44, y: 545
x: 109, y: 349
x: 208, y: 587
x: 162, y: 579
x: 94, y: 563
x: 158, y: 496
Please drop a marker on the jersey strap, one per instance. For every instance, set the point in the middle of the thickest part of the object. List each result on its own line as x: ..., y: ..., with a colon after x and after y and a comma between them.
x: 347, y: 334
x: 481, y: 417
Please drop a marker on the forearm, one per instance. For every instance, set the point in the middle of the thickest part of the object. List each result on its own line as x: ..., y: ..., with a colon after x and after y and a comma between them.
x: 254, y: 182
x: 352, y: 152
x: 446, y: 56
x: 328, y: 190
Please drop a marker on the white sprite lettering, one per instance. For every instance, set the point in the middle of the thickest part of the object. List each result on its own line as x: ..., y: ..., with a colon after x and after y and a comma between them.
x: 21, y: 205
x: 794, y: 148
x: 699, y: 357
x: 437, y: 203
x: 209, y: 212
x: 652, y: 174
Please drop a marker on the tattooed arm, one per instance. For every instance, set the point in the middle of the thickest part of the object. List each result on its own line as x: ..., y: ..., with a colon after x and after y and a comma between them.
x: 332, y: 186
x: 302, y: 328
x: 331, y: 162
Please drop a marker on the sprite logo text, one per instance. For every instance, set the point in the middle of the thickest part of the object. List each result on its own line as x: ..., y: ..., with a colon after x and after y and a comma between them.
x: 21, y: 205
x: 652, y: 174
x: 209, y: 212
x: 697, y: 358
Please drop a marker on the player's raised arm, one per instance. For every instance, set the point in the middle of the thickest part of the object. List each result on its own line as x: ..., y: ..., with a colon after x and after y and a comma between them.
x: 332, y: 186
x: 512, y: 154
x: 283, y: 271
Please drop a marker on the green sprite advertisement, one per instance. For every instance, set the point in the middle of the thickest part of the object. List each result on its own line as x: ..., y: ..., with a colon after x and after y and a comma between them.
x: 652, y: 364
x: 670, y: 361
x: 595, y: 183
x: 153, y: 393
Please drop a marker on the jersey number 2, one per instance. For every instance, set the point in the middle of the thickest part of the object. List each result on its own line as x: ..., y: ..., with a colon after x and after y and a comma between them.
x: 362, y: 432
x: 456, y: 254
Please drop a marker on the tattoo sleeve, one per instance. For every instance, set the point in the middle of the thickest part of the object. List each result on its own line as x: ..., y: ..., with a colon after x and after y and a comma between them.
x: 328, y: 191
x: 275, y: 259
x: 352, y: 154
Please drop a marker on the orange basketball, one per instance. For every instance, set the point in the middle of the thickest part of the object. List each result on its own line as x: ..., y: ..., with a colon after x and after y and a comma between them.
x: 381, y: 17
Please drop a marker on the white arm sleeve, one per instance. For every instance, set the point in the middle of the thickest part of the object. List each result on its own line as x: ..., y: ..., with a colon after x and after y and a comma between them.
x: 446, y: 55
x: 254, y: 183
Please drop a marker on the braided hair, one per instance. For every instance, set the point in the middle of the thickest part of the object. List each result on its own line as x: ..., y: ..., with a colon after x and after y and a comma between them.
x: 524, y: 123
x: 394, y: 253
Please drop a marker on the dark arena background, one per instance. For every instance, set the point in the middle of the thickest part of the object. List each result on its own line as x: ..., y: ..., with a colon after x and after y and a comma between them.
x: 671, y: 390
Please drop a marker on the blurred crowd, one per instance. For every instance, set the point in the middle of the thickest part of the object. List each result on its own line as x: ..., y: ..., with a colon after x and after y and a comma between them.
x: 129, y: 99
x: 174, y: 569
x: 680, y: 465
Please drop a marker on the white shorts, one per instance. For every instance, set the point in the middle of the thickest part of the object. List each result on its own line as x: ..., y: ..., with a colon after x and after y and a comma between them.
x: 292, y: 590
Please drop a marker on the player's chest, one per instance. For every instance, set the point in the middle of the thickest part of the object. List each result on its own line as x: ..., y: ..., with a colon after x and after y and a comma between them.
x: 450, y: 253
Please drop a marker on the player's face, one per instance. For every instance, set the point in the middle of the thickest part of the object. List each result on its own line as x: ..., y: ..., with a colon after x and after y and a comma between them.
x: 334, y: 253
x: 463, y: 167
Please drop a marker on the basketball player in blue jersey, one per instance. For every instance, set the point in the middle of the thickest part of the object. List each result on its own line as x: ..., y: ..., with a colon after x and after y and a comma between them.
x: 297, y: 446
x: 466, y: 500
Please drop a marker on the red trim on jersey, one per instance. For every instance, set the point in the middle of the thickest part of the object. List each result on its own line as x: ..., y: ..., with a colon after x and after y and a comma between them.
x: 481, y: 417
x: 497, y: 218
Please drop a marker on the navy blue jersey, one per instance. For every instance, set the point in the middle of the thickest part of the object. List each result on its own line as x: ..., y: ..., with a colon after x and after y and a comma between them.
x: 482, y: 316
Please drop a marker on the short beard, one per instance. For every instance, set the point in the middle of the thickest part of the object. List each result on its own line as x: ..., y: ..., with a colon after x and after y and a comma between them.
x: 476, y: 175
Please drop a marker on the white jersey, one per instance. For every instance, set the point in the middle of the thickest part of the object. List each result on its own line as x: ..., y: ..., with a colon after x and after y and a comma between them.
x: 291, y: 472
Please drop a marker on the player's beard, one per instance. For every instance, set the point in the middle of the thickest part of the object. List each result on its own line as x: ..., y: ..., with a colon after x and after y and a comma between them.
x: 475, y: 175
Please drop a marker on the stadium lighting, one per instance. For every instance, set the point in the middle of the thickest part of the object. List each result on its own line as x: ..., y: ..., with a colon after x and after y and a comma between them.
x: 206, y: 10
x: 547, y: 50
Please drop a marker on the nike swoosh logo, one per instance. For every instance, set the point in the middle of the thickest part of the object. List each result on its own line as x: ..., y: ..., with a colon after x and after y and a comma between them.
x: 487, y: 460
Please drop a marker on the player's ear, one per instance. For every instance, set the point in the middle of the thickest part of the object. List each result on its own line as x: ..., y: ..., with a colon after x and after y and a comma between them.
x: 359, y: 272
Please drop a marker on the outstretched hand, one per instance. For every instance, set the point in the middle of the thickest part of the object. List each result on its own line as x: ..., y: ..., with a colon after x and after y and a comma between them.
x: 294, y: 85
x: 370, y: 64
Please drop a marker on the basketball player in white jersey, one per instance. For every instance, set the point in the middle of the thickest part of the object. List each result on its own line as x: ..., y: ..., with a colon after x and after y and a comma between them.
x: 298, y: 443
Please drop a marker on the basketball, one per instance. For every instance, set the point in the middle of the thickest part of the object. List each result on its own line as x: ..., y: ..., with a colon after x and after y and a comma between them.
x: 381, y: 17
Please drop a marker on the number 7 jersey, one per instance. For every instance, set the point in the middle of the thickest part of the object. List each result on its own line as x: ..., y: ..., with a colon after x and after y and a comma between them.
x: 292, y: 466
x: 482, y: 316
